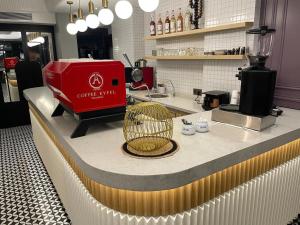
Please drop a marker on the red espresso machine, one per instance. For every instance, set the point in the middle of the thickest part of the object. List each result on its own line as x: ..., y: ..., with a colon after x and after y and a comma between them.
x: 147, y: 79
x: 9, y: 64
x: 93, y: 91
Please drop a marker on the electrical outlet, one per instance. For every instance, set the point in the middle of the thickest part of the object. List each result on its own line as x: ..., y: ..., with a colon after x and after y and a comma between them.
x: 197, y: 91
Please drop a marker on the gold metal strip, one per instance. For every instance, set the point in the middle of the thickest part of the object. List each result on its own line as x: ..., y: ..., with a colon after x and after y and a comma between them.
x: 177, y: 200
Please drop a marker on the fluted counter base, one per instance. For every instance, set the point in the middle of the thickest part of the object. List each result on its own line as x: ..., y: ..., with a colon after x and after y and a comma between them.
x: 270, y: 198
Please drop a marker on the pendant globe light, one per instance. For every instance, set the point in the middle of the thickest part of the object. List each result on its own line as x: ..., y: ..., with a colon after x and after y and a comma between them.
x: 148, y: 5
x: 105, y: 15
x: 35, y: 39
x: 123, y: 9
x: 71, y: 27
x: 40, y: 39
x: 80, y: 22
x: 92, y: 20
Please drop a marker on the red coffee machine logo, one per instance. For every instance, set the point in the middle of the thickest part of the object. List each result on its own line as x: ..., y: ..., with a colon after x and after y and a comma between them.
x: 96, y: 81
x: 11, y: 62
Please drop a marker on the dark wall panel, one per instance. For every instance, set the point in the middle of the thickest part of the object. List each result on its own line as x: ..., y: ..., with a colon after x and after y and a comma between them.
x: 284, y: 15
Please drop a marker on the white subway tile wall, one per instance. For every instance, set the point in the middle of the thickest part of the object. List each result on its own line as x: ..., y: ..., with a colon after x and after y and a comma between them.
x: 224, y: 40
x: 208, y: 75
x: 184, y: 74
x: 149, y: 45
x: 228, y: 11
x: 220, y: 75
x: 128, y: 36
x: 138, y: 27
x: 123, y: 39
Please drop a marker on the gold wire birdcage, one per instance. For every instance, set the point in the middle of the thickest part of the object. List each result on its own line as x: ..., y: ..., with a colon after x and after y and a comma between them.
x: 148, y: 127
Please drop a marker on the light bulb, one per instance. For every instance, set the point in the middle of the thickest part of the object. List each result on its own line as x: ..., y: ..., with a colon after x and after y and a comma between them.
x: 36, y: 41
x: 72, y: 29
x: 148, y: 5
x: 106, y: 16
x: 92, y: 21
x: 40, y: 40
x: 123, y: 9
x: 81, y: 25
x: 32, y: 44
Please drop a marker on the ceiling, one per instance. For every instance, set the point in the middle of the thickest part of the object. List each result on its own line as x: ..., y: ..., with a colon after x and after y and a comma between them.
x: 61, y: 5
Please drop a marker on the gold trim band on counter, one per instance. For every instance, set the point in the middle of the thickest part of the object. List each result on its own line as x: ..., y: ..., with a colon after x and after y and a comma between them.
x: 177, y: 200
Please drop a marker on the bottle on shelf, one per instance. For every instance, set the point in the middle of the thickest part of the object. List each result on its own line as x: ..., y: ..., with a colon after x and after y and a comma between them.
x: 193, y: 25
x: 160, y: 26
x: 179, y: 23
x: 152, y: 26
x: 187, y: 20
x: 167, y: 23
x: 173, y: 22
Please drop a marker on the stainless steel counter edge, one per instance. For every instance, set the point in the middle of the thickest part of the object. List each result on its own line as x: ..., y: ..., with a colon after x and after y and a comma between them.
x: 167, y: 181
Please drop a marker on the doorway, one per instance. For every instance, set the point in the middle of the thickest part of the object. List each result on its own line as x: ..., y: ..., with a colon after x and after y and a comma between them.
x: 20, y: 44
x: 95, y: 43
x: 10, y: 49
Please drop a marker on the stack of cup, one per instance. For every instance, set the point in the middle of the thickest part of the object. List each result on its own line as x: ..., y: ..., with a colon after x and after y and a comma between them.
x: 235, y: 97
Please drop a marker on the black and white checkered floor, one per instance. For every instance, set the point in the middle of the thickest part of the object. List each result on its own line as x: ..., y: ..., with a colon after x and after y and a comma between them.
x: 27, y: 195
x: 295, y: 221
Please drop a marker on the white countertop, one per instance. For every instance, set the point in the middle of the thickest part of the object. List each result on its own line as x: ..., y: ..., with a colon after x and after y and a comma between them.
x: 99, y: 153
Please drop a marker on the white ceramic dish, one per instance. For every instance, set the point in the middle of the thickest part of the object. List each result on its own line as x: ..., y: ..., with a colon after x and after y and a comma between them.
x: 201, y: 126
x: 188, y: 129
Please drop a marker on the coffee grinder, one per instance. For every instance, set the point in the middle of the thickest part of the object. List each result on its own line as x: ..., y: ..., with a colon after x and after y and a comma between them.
x: 258, y: 81
x: 257, y: 85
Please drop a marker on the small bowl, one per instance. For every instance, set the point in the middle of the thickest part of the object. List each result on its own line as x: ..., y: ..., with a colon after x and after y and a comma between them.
x: 201, y: 126
x: 188, y: 129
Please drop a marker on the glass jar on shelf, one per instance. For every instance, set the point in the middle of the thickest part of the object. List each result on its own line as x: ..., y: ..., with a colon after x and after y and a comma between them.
x: 199, y: 51
x: 166, y: 52
x: 189, y: 52
x: 160, y: 52
x: 182, y: 52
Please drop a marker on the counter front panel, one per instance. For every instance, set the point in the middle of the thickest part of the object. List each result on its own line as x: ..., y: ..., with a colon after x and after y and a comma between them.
x: 177, y: 200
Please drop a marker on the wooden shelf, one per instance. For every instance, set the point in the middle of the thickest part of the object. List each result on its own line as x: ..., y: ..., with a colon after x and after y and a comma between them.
x: 203, y: 57
x: 232, y: 26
